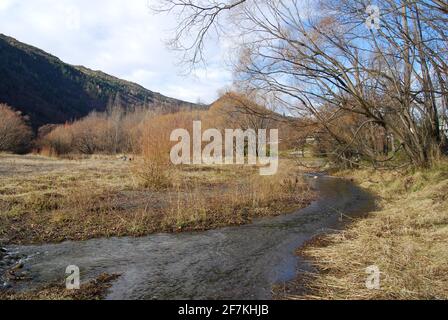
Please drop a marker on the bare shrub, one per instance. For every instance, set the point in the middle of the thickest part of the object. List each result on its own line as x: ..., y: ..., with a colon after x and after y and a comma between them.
x: 112, y: 132
x: 155, y: 169
x: 15, y: 134
x: 58, y: 141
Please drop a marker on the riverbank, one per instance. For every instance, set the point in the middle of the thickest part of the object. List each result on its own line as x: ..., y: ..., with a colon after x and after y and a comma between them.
x: 48, y: 200
x: 92, y: 290
x: 227, y: 263
x: 406, y: 239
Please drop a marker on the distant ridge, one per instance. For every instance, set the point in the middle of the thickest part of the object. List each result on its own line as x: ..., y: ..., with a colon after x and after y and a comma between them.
x: 50, y: 91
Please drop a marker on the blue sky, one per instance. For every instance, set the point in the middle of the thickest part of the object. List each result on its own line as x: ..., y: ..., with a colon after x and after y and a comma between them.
x: 122, y: 38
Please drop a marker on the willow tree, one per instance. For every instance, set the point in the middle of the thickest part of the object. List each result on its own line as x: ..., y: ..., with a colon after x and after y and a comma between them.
x: 386, y: 64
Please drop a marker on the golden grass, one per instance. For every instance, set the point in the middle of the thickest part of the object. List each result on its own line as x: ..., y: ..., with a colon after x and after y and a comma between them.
x: 52, y: 200
x: 222, y: 196
x: 407, y: 239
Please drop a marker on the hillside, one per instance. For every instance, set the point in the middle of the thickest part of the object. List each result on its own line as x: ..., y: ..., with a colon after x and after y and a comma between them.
x: 50, y: 91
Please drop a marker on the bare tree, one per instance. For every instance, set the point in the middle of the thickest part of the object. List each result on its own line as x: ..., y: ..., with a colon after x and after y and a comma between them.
x: 196, y: 20
x: 324, y: 60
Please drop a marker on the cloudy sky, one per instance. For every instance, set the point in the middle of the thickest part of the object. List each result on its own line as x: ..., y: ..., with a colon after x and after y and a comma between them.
x: 122, y: 38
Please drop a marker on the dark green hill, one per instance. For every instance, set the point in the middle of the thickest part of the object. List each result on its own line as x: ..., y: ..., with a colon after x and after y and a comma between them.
x: 51, y: 91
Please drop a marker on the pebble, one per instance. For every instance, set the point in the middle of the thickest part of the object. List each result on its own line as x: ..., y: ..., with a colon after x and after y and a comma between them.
x: 18, y: 266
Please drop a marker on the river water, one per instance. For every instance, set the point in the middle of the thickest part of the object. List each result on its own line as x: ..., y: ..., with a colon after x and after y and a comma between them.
x: 230, y: 263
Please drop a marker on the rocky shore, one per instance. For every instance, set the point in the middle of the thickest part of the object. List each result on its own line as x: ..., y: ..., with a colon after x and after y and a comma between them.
x: 11, y: 269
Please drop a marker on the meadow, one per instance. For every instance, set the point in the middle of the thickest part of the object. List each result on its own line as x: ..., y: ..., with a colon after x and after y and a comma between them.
x: 44, y: 199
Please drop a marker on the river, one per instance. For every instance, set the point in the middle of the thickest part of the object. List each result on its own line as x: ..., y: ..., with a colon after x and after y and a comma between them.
x: 230, y: 263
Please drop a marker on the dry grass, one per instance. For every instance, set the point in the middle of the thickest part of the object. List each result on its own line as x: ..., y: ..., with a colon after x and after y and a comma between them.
x: 407, y: 239
x: 92, y: 290
x: 50, y: 200
x: 219, y: 196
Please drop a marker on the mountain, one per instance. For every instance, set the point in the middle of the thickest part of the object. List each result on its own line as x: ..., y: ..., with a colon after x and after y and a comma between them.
x: 50, y: 91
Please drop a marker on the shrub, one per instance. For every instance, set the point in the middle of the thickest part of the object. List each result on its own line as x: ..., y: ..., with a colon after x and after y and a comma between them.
x: 112, y: 132
x: 15, y: 134
x: 155, y: 170
x: 59, y: 141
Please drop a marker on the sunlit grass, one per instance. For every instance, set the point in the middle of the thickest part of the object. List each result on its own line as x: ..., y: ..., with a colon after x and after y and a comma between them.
x: 52, y: 200
x: 406, y: 238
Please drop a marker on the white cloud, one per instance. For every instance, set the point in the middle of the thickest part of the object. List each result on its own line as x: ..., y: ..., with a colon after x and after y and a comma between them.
x: 122, y: 38
x: 5, y: 4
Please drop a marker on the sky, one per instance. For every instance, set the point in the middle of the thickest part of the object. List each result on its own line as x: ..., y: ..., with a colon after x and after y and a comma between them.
x: 122, y: 38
